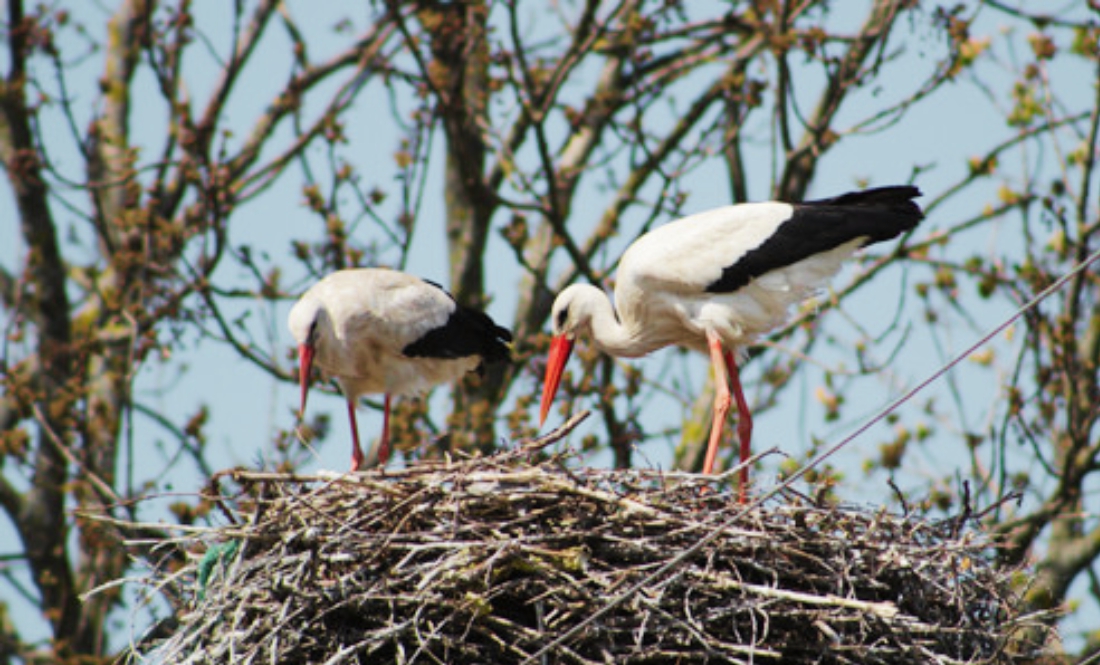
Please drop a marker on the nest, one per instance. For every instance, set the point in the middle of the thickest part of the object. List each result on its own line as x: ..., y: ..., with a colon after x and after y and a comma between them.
x: 499, y: 560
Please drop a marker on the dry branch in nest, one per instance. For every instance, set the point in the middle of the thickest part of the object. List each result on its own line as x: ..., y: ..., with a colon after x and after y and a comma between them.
x: 497, y: 560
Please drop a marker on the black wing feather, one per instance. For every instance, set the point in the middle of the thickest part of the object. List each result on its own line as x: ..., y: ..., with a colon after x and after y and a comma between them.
x: 819, y: 226
x: 467, y: 332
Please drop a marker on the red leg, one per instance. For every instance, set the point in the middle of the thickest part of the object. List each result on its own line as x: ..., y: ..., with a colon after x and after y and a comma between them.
x: 384, y: 443
x: 721, y: 401
x: 744, y: 421
x: 356, y: 451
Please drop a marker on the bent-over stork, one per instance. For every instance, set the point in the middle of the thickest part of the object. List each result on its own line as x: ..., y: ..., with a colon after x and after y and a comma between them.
x: 381, y: 331
x: 717, y: 280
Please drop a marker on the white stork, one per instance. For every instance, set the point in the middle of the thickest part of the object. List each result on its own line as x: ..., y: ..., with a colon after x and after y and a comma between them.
x: 717, y: 280
x: 381, y: 331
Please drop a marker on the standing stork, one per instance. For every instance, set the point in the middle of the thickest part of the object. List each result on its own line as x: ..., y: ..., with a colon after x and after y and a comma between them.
x: 717, y: 280
x: 381, y: 331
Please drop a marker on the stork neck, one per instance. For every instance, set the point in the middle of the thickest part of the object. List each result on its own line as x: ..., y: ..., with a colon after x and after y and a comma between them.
x: 608, y: 332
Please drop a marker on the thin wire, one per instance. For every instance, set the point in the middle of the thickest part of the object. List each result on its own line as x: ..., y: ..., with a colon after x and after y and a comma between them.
x: 713, y: 535
x: 1090, y: 660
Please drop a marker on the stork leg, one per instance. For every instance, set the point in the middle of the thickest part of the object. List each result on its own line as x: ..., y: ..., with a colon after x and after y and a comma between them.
x: 384, y: 442
x: 356, y: 451
x: 744, y: 421
x: 721, y: 400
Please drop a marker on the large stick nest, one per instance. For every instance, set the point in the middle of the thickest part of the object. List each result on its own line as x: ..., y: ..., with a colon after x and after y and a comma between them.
x: 502, y: 561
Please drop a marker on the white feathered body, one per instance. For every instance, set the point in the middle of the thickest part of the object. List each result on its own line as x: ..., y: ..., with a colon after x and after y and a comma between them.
x: 734, y: 271
x: 661, y: 283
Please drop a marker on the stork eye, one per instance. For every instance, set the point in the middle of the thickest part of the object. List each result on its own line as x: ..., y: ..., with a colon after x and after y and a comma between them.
x: 563, y: 315
x: 311, y: 337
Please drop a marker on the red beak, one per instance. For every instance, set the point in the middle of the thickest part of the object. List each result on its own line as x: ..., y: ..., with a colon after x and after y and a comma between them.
x: 305, y: 366
x: 560, y: 348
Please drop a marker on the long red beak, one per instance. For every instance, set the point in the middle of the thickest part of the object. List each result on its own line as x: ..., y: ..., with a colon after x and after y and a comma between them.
x: 305, y: 367
x: 560, y: 348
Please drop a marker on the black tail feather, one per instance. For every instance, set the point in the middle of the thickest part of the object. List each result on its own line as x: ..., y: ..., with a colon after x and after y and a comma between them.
x: 888, y: 211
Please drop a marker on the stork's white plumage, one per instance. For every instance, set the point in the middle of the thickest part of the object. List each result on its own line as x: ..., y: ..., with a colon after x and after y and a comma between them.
x: 381, y: 331
x: 717, y: 280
